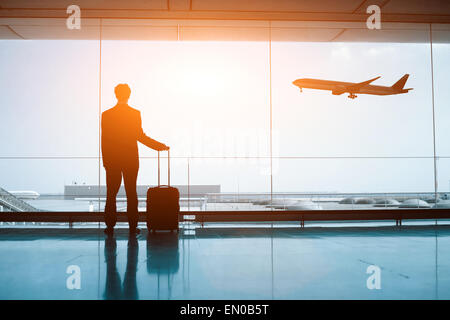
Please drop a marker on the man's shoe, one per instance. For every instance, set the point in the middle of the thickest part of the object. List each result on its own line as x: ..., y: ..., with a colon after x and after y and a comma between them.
x: 109, y: 231
x: 135, y: 230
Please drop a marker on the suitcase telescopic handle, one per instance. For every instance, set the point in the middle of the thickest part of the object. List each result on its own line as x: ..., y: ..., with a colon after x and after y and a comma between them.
x: 168, y: 169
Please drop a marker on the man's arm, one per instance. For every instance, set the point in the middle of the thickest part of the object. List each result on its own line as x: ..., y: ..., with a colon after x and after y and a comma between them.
x: 147, y: 141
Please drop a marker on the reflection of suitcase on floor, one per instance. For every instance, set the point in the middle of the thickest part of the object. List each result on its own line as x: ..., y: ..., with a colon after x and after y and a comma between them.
x: 162, y: 253
x: 163, y: 259
x: 163, y: 204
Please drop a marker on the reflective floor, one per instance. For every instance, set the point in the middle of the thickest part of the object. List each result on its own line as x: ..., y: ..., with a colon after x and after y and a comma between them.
x: 223, y: 262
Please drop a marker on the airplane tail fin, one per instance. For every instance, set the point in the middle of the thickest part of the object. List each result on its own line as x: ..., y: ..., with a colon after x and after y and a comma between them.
x: 400, y: 84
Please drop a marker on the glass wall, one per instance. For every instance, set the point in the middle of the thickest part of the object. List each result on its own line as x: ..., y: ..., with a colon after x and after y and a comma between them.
x: 441, y: 60
x: 242, y: 136
x: 49, y: 121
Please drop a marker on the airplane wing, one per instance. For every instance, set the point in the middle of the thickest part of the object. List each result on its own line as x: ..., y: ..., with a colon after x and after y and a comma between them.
x: 360, y: 85
x: 355, y: 87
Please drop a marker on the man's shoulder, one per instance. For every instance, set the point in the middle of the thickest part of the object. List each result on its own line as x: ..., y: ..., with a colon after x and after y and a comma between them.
x: 135, y: 111
x: 121, y: 109
x: 108, y: 111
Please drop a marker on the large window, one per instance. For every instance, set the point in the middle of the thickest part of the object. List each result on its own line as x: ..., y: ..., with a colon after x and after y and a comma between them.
x: 236, y: 125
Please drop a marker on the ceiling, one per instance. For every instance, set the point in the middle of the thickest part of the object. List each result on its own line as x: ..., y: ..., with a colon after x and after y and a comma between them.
x: 250, y: 20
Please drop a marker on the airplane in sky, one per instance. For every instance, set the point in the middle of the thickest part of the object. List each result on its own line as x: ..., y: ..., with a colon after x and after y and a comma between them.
x: 365, y: 87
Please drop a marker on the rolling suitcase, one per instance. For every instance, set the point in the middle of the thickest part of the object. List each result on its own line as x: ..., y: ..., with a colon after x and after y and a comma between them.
x: 163, y: 204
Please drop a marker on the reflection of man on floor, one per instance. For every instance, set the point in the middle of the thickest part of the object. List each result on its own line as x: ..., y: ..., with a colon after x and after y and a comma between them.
x: 121, y: 129
x: 113, y: 289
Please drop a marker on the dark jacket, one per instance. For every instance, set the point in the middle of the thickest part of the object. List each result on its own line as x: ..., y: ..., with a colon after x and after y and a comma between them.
x: 121, y: 130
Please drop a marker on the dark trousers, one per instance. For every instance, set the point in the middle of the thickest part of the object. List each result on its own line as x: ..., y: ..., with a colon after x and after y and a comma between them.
x: 113, y: 182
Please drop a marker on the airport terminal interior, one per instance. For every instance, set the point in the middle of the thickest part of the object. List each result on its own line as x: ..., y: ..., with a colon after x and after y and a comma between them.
x: 309, y: 143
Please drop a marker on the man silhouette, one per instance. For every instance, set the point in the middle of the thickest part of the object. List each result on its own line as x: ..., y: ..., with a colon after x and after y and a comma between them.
x: 121, y: 129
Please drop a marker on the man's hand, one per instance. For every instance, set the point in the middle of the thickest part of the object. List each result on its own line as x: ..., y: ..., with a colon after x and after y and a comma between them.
x: 163, y: 147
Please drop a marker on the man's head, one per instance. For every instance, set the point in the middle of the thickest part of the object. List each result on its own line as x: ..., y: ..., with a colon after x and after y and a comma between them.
x: 122, y: 92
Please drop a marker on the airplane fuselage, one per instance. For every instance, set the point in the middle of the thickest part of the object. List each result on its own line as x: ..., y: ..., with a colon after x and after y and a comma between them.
x: 339, y: 87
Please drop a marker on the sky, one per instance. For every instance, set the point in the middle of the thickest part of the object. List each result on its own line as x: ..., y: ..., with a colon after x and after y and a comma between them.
x: 210, y: 101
